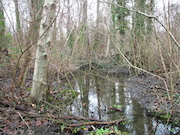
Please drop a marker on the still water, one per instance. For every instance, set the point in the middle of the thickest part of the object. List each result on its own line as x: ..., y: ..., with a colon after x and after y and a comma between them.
x: 100, y: 92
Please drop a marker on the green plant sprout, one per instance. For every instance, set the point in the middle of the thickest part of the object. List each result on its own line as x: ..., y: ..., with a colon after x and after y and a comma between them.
x: 118, y: 106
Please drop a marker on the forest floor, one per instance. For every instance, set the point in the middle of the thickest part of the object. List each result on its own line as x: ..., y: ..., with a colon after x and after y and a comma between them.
x: 152, y: 94
x: 19, y: 117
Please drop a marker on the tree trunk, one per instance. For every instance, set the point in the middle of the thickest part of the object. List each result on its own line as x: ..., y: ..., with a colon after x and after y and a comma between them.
x: 39, y: 85
x: 85, y: 30
x: 22, y: 76
x: 150, y: 10
x: 18, y: 23
x: 2, y: 30
x: 96, y: 38
x: 33, y: 34
x: 108, y: 45
x: 138, y: 33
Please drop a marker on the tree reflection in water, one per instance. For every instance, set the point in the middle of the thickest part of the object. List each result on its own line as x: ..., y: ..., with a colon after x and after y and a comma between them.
x: 98, y: 94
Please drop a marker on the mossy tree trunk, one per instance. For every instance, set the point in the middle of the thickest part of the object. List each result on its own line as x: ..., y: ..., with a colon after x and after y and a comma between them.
x: 119, y: 16
x: 138, y: 32
x: 2, y: 30
x: 39, y: 85
x: 141, y: 32
x: 150, y: 10
x: 119, y: 19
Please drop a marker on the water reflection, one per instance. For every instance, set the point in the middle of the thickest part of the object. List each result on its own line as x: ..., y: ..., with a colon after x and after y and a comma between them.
x: 98, y: 94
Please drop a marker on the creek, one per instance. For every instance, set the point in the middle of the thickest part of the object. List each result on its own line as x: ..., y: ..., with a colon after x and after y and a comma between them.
x: 99, y: 92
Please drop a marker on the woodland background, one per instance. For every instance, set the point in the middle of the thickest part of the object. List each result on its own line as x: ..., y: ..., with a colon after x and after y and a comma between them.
x: 144, y: 34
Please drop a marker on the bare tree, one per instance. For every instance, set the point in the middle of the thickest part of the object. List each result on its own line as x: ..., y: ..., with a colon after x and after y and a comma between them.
x: 39, y: 85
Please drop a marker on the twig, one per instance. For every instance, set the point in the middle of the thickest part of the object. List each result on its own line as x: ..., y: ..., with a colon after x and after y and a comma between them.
x: 25, y: 123
x: 97, y: 123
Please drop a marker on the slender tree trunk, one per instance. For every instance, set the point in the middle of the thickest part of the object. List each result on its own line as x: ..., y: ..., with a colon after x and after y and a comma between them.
x: 85, y: 30
x: 36, y: 14
x: 68, y: 26
x: 139, y: 33
x: 33, y: 34
x: 22, y: 76
x: 96, y: 38
x: 2, y: 29
x: 39, y: 85
x: 70, y: 33
x: 18, y: 23
x: 108, y: 45
x: 109, y: 29
x: 150, y: 11
x: 4, y: 53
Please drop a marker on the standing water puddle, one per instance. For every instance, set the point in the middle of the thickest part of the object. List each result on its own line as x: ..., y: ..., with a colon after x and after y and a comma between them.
x: 99, y: 93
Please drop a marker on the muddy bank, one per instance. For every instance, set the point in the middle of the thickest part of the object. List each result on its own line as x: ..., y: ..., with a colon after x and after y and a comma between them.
x: 151, y: 93
x: 148, y: 90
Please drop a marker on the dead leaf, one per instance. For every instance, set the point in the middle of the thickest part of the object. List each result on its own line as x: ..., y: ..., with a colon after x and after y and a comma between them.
x: 39, y: 123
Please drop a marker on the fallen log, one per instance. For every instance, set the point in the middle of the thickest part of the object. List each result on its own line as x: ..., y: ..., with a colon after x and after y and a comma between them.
x: 62, y: 117
x: 97, y: 123
x: 93, y: 120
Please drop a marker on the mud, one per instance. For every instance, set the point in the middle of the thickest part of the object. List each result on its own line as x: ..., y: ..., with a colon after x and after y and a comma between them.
x: 151, y: 93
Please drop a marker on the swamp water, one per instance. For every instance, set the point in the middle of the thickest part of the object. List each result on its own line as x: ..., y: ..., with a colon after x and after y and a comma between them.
x: 98, y: 93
